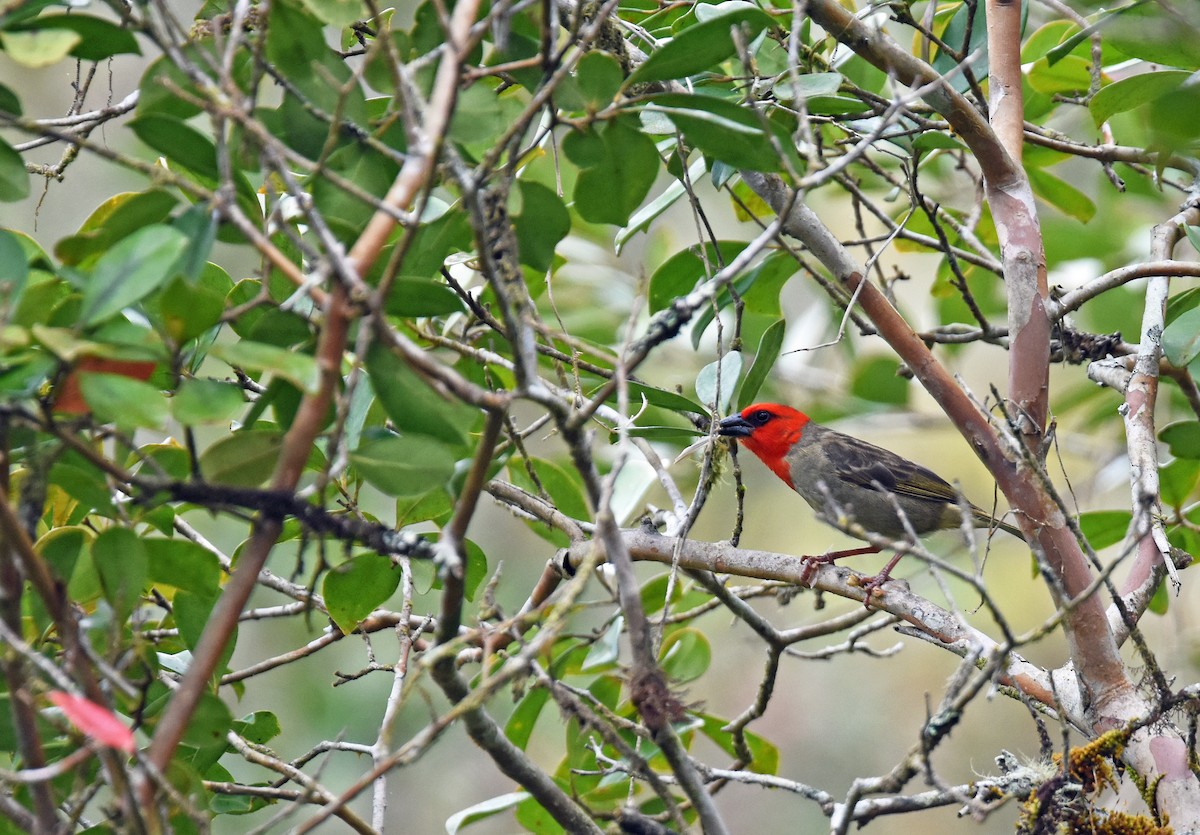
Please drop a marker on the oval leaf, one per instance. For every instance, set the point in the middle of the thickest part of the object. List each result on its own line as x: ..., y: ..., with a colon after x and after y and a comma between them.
x: 206, y: 401
x: 730, y: 367
x: 129, y: 403
x: 353, y: 589
x: 764, y: 360
x: 244, y: 459
x: 298, y: 369
x: 701, y: 45
x: 403, y: 465
x: 131, y: 270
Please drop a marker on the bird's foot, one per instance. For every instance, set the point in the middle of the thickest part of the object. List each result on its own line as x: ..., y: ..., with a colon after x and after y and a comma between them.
x: 873, y: 586
x: 812, y: 563
x: 809, y: 566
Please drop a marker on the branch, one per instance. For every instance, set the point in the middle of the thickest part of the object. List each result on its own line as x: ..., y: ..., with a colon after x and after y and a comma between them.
x: 942, y: 627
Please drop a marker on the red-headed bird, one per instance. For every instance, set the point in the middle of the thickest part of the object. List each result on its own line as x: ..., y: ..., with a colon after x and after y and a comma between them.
x: 836, y: 473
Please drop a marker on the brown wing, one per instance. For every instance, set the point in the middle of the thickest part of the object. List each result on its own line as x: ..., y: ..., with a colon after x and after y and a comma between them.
x: 872, y: 467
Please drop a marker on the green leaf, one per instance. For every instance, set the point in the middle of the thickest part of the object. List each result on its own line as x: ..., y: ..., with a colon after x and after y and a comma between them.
x: 765, y: 755
x: 1181, y: 338
x: 1072, y: 74
x: 932, y: 140
x: 606, y: 649
x: 297, y: 48
x: 299, y: 369
x: 403, y: 465
x: 132, y: 269
x: 1181, y: 303
x: 654, y: 593
x: 484, y: 810
x: 1171, y: 119
x: 1132, y: 92
x: 764, y: 360
x: 729, y: 368
x: 563, y: 487
x: 726, y: 131
x: 206, y: 401
x: 435, y: 241
x: 411, y: 404
x: 179, y: 142
x: 363, y: 165
x: 14, y: 268
x: 877, y: 380
x: 969, y: 43
x: 670, y: 434
x: 182, y: 564
x: 599, y: 77
x: 167, y: 459
x: 679, y: 274
x: 476, y: 569
x: 701, y: 45
x: 189, y: 149
x: 259, y: 727
x: 417, y: 296
x: 650, y: 212
x: 97, y: 39
x: 1161, y: 600
x: 807, y: 85
x: 1047, y: 37
x: 836, y: 106
x: 1193, y: 235
x: 1105, y: 527
x: 244, y: 459
x: 618, y: 165
x: 14, y: 179
x: 1182, y: 438
x: 185, y: 310
x: 542, y: 223
x: 127, y: 402
x: 531, y: 816
x: 192, y: 611
x: 665, y: 399
x: 520, y: 724
x: 161, y: 85
x: 117, y: 217
x: 208, y: 724
x: 434, y: 506
x: 1062, y: 195
x: 685, y: 655
x: 1150, y: 32
x: 482, y: 115
x: 339, y: 13
x: 121, y: 561
x: 355, y: 588
x: 38, y: 50
x: 13, y: 176
x: 1177, y: 480
x: 62, y: 547
x: 9, y: 103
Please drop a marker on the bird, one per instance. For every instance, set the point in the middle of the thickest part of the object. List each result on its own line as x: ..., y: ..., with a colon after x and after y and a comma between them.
x: 838, y: 474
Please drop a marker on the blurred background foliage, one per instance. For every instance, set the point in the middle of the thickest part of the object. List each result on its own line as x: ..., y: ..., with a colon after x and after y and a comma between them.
x: 184, y: 187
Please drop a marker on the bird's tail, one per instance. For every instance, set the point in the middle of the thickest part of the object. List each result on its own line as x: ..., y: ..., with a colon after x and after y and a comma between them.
x: 986, y: 520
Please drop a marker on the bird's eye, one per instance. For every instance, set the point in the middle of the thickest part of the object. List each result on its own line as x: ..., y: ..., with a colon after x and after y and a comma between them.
x: 761, y: 416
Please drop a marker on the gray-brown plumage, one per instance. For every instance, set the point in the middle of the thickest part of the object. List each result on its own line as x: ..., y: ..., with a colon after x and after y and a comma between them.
x: 836, y: 473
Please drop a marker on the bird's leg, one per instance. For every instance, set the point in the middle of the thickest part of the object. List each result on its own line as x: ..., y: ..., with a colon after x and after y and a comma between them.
x: 870, y: 584
x: 811, y: 563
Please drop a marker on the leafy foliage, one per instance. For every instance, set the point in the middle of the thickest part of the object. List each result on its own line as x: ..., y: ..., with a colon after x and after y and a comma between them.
x: 350, y: 271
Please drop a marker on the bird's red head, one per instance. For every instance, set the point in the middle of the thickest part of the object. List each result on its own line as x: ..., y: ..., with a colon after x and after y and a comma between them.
x: 769, y: 430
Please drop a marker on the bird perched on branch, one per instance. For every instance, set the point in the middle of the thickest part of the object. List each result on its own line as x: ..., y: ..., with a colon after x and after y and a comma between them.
x: 840, y: 475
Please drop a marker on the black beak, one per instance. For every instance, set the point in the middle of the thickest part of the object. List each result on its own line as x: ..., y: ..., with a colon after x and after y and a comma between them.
x: 734, y: 426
